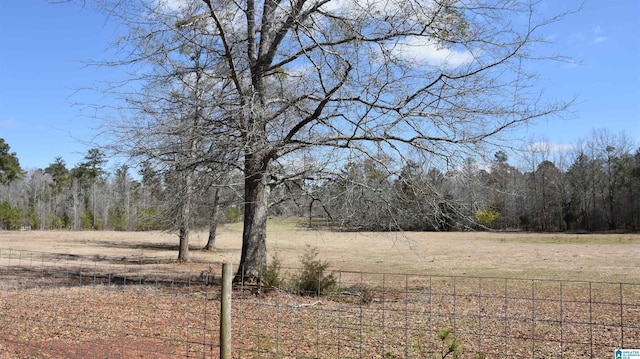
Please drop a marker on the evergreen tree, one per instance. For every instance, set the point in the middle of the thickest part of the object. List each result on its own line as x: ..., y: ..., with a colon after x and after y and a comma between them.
x: 9, y: 164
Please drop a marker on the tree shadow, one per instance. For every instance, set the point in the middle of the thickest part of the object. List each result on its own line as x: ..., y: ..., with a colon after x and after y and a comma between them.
x: 30, y: 270
x: 160, y: 247
x: 142, y: 246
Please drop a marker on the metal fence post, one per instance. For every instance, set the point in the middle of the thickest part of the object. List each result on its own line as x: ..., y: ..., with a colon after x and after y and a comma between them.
x: 225, y: 312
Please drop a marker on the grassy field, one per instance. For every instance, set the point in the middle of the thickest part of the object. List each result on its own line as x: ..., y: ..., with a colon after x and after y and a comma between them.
x: 121, y: 295
x: 592, y: 257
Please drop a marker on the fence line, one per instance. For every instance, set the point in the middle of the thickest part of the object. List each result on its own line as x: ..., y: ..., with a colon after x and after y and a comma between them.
x: 55, y: 305
x: 399, y: 316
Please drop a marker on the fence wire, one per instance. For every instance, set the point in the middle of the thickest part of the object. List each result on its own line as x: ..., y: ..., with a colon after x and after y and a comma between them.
x: 369, y: 315
x: 57, y: 305
x: 66, y: 306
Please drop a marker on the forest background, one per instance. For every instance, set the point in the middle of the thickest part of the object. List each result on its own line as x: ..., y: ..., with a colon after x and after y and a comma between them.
x: 594, y: 187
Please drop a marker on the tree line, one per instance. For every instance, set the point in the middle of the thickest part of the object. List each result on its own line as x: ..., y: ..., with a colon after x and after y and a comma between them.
x: 89, y: 197
x: 593, y: 187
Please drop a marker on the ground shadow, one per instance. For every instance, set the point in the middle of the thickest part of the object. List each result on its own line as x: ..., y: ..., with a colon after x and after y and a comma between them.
x: 20, y: 269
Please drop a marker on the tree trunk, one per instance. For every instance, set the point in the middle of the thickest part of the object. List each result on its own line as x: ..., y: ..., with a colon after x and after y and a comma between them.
x: 213, y: 223
x: 75, y: 204
x: 254, y: 248
x: 183, y: 251
x: 185, y: 217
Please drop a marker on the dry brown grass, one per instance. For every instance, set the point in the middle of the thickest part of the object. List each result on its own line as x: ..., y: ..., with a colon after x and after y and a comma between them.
x: 592, y: 257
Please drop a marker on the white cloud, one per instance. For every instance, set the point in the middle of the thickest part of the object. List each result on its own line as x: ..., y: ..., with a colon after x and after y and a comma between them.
x: 597, y: 32
x: 418, y: 49
x: 171, y: 5
x: 423, y: 51
x: 600, y: 39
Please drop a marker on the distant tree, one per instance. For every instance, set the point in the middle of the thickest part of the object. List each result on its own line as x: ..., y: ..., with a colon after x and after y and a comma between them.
x: 634, y: 192
x: 58, y: 172
x: 422, y: 199
x: 9, y: 164
x: 122, y: 211
x: 149, y: 213
x: 360, y: 196
x: 627, y: 190
x: 543, y: 189
x: 470, y: 187
x: 412, y: 191
x: 545, y: 182
x: 505, y: 191
x: 59, y: 188
x: 85, y: 176
x: 500, y: 157
x: 584, y: 178
x: 610, y: 149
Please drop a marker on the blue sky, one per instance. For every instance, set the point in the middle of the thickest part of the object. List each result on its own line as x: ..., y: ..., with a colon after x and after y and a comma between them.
x: 43, y: 48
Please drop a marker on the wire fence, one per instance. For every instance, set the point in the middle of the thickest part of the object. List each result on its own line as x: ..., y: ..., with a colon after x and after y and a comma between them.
x: 55, y: 305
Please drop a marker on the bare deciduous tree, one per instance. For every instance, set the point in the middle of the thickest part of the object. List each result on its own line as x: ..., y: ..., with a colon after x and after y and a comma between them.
x: 441, y: 76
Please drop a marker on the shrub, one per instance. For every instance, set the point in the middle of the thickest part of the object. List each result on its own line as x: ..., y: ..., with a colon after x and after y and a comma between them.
x: 118, y: 219
x: 450, y: 345
x: 34, y: 221
x: 272, y: 276
x: 9, y: 216
x: 87, y: 220
x: 487, y: 216
x: 233, y: 215
x: 208, y: 276
x: 147, y: 220
x: 313, y: 278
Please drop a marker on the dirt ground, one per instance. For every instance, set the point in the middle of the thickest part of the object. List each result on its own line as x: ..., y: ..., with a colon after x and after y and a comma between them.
x: 592, y: 257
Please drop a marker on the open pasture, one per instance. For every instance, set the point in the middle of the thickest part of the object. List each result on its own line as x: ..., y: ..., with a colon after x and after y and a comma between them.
x: 517, y: 295
x: 589, y: 257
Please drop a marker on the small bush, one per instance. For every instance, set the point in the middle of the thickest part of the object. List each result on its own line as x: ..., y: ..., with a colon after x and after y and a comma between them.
x: 208, y: 276
x: 487, y: 217
x: 148, y: 220
x: 450, y: 345
x: 366, y: 294
x: 34, y: 221
x: 87, y: 220
x: 233, y: 215
x: 272, y: 276
x: 313, y: 278
x: 118, y: 218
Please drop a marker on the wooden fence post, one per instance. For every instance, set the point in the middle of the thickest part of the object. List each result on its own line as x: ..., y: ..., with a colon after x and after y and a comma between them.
x: 225, y: 312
